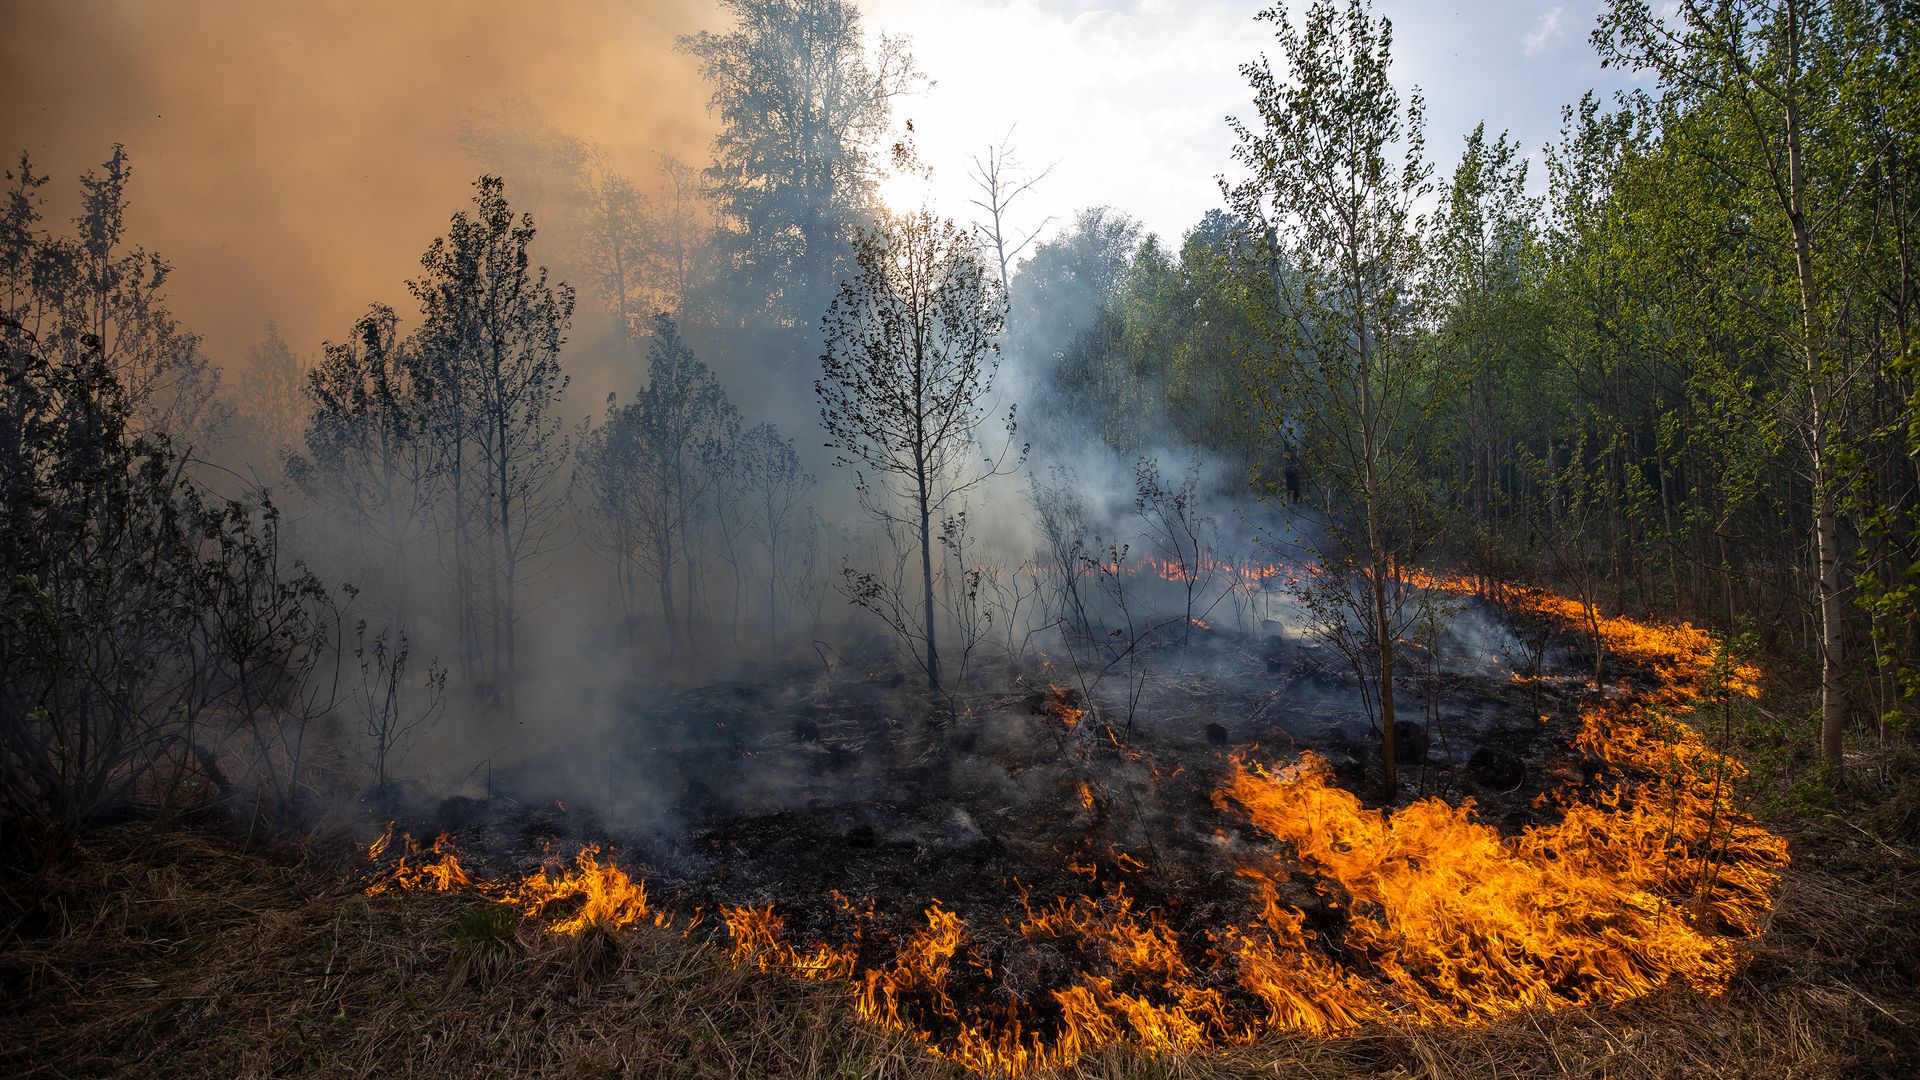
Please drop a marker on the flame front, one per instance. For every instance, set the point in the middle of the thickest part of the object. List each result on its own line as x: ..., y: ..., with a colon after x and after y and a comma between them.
x: 1647, y: 877
x: 603, y: 893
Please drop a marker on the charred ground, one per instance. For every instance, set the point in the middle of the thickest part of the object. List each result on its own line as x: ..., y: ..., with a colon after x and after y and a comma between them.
x: 178, y: 952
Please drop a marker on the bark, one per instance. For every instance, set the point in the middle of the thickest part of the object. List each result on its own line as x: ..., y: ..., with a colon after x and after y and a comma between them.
x: 1826, y: 526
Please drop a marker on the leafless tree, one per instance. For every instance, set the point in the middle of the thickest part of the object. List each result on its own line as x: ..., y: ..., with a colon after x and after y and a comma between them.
x: 1179, y: 533
x: 391, y: 718
x: 1002, y: 178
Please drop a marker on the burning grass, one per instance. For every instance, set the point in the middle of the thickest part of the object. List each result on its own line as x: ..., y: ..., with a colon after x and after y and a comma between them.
x: 1643, y: 926
x: 1647, y: 877
x: 171, y: 952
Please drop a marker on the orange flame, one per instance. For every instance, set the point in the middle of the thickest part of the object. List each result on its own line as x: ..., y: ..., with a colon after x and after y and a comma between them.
x: 1060, y: 706
x: 1648, y: 878
x: 606, y: 896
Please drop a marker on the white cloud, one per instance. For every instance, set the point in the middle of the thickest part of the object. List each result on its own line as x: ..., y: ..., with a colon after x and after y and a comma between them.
x: 1551, y: 27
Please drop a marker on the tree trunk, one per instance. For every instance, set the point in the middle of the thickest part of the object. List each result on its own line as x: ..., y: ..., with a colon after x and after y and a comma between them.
x: 1826, y: 521
x: 1383, y: 633
x: 926, y: 579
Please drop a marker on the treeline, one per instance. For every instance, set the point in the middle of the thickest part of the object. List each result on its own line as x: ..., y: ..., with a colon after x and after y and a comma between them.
x: 1680, y: 381
x: 171, y: 637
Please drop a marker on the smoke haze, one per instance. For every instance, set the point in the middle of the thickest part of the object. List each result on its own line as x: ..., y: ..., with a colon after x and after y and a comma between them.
x: 293, y: 160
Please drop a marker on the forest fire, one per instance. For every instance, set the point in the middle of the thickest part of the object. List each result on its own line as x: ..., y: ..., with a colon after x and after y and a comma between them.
x: 1645, y: 877
x: 827, y: 559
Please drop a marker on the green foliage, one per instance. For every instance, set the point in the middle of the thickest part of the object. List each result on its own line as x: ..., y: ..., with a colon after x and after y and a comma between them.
x: 483, y: 927
x: 1346, y: 381
x: 801, y: 105
x: 143, y: 620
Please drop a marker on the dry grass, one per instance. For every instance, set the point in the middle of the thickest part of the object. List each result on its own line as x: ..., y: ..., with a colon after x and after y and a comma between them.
x: 174, y: 953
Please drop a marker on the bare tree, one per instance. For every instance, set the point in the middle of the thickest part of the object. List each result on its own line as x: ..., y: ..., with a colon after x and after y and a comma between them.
x: 1179, y: 534
x: 906, y: 383
x: 1060, y: 511
x: 1002, y: 178
x: 614, y: 487
x: 391, y: 719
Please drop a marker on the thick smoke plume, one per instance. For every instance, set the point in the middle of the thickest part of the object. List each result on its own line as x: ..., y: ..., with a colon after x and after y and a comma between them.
x: 293, y: 160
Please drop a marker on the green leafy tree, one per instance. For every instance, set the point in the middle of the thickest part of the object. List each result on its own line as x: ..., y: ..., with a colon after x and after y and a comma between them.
x: 1345, y: 375
x: 491, y: 376
x: 648, y: 473
x: 1762, y: 82
x: 801, y: 104
x: 368, y: 458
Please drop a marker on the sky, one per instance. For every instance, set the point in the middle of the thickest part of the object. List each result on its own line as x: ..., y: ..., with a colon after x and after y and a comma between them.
x: 294, y: 159
x: 1128, y: 101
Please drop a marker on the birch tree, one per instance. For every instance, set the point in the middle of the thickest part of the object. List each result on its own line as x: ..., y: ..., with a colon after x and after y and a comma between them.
x: 1336, y: 170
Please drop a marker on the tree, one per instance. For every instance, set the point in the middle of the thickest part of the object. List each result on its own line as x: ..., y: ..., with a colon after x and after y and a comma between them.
x: 491, y: 338
x: 273, y: 400
x: 906, y: 384
x: 136, y: 611
x: 1067, y: 328
x: 1485, y: 262
x: 774, y: 484
x: 618, y: 251
x: 391, y: 720
x: 683, y: 234
x: 91, y: 294
x: 1001, y: 178
x: 1206, y: 313
x: 1757, y: 66
x: 800, y: 104
x: 1333, y: 229
x: 1177, y: 532
x: 646, y: 470
x: 614, y: 485
x: 368, y: 459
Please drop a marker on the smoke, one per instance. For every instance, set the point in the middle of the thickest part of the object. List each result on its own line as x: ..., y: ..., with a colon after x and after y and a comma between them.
x: 293, y: 160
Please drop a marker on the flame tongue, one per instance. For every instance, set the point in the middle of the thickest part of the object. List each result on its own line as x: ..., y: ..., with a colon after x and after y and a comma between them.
x: 605, y: 895
x: 1646, y: 879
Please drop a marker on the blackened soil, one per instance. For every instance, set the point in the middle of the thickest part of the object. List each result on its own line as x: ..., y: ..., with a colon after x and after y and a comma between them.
x: 852, y: 804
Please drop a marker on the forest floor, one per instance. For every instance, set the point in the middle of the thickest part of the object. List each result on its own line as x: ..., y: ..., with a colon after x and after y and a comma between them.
x: 181, y: 951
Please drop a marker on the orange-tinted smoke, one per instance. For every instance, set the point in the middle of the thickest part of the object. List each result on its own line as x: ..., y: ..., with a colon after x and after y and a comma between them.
x: 293, y: 159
